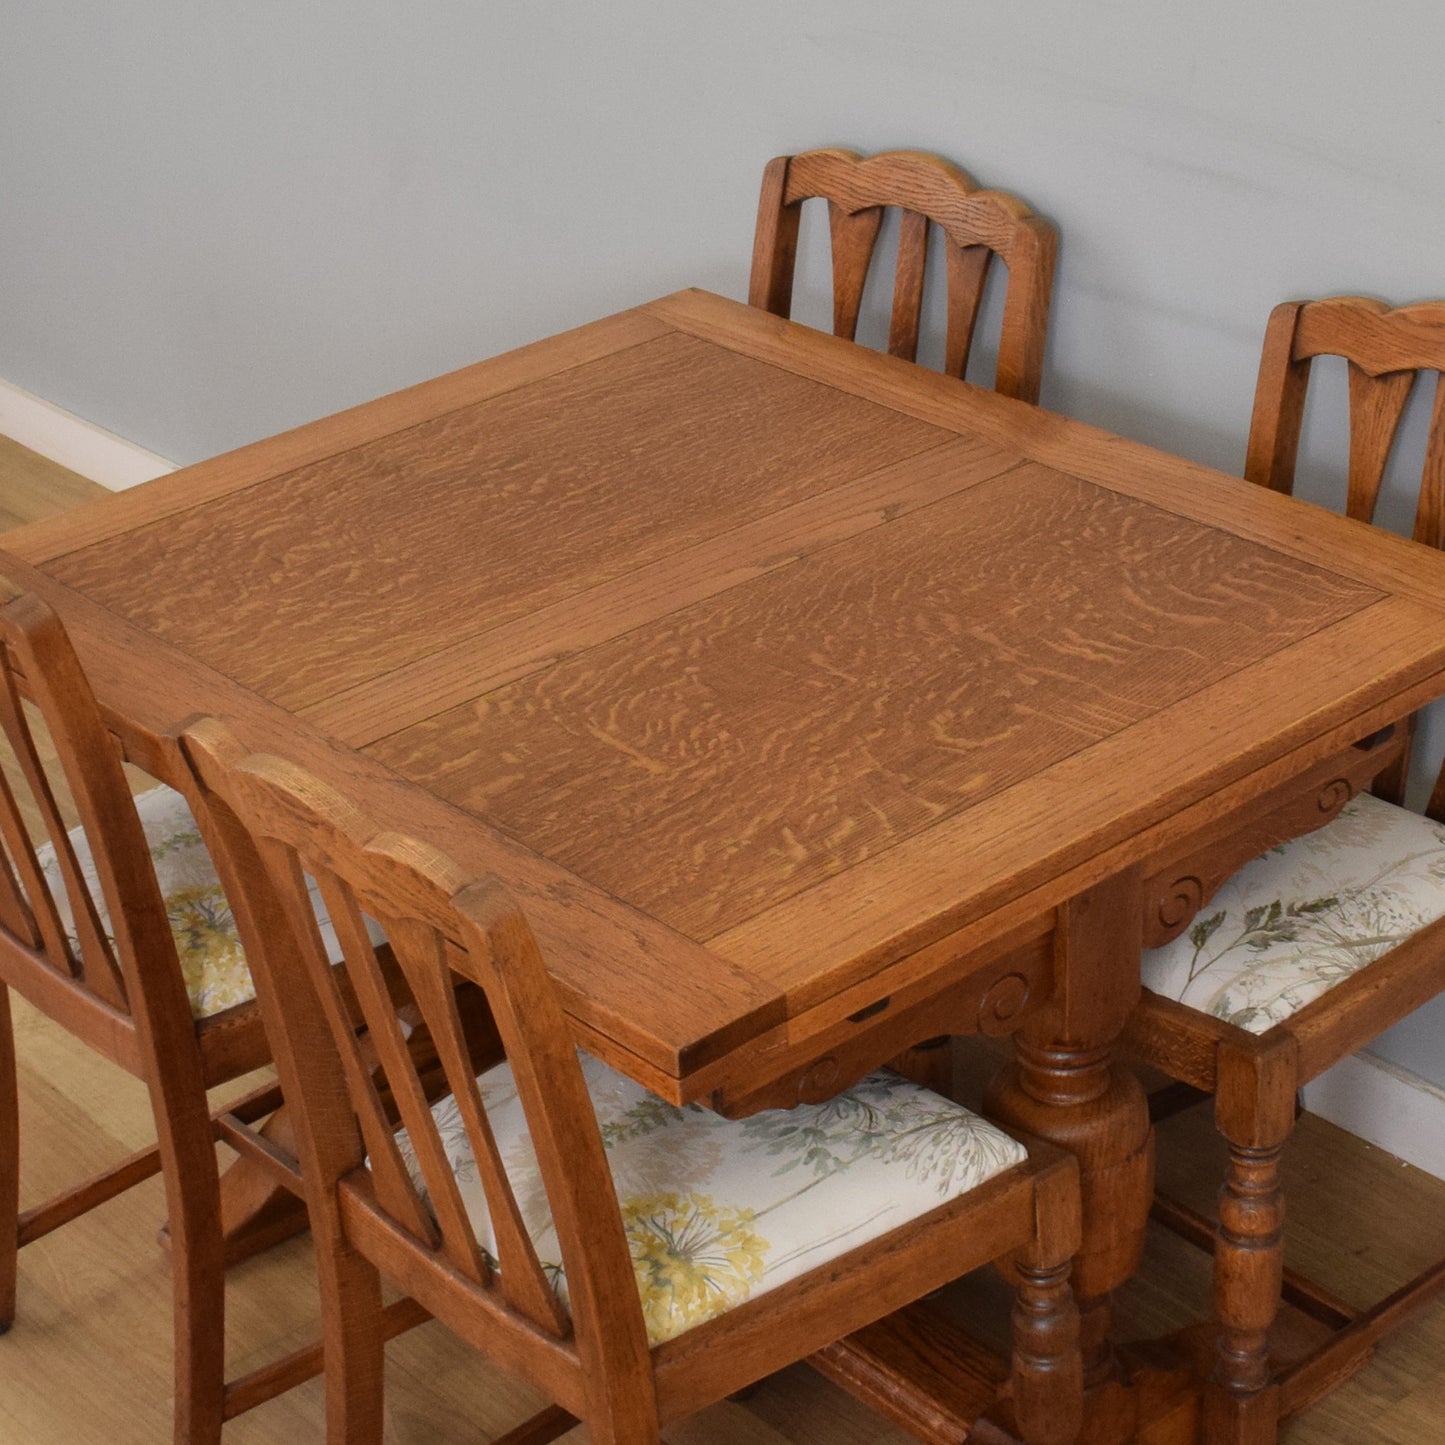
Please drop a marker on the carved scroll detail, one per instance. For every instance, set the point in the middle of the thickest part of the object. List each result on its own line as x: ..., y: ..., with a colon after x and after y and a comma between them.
x: 1174, y: 896
x: 1182, y: 899
x: 1003, y: 1003
x: 993, y: 999
x: 820, y: 1081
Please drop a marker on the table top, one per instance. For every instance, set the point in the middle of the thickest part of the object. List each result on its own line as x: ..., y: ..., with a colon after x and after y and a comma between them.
x: 762, y: 667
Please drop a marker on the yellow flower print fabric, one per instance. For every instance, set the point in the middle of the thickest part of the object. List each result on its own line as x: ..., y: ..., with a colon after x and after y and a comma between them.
x: 207, y: 943
x: 720, y: 1211
x: 1306, y: 916
x: 692, y: 1259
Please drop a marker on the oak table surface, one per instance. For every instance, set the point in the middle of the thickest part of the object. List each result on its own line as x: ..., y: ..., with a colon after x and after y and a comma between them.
x: 779, y: 678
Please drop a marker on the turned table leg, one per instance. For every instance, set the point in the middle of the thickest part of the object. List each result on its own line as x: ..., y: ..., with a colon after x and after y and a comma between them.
x: 1096, y: 1110
x: 1254, y: 1110
x: 1065, y: 1086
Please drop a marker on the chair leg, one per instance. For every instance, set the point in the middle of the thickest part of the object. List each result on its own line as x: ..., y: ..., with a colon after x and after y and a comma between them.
x: 354, y: 1346
x: 198, y: 1295
x: 1048, y: 1366
x: 198, y: 1269
x: 1048, y: 1356
x: 621, y: 1404
x: 9, y: 1165
x: 1255, y: 1113
x: 1242, y: 1402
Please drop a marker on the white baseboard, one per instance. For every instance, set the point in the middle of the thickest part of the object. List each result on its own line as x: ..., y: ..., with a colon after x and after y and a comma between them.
x: 1385, y: 1105
x: 75, y: 443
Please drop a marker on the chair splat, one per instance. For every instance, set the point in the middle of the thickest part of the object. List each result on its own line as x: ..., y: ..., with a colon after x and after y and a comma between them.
x: 936, y: 201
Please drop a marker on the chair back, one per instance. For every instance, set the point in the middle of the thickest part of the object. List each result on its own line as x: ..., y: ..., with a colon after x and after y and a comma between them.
x: 932, y: 196
x: 1386, y: 350
x: 70, y: 966
x: 280, y: 826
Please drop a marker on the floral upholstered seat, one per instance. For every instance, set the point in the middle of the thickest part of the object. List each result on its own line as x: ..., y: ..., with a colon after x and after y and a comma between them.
x: 1306, y: 915
x: 719, y: 1211
x: 207, y: 943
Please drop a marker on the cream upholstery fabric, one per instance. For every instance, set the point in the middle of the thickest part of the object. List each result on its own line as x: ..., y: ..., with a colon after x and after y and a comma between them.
x: 212, y: 959
x: 719, y: 1211
x: 1306, y: 915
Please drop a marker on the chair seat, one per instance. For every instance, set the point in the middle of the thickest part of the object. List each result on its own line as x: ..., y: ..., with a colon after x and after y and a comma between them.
x: 213, y: 962
x: 1307, y: 915
x: 720, y: 1211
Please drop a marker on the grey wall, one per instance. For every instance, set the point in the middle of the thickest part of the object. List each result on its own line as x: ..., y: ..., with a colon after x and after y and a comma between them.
x: 219, y: 220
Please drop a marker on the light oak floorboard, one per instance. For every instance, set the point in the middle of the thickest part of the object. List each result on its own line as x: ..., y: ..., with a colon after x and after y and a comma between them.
x: 32, y: 486
x: 88, y: 1361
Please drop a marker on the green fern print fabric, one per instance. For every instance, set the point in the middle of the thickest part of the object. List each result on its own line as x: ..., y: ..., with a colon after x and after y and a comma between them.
x: 719, y: 1211
x: 1306, y: 915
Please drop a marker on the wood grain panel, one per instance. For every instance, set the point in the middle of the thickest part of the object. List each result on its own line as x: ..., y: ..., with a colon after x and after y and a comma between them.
x: 1369, y: 554
x: 274, y: 456
x: 644, y: 998
x: 754, y: 744
x: 1102, y: 808
x: 947, y: 849
x: 488, y: 659
x: 489, y: 512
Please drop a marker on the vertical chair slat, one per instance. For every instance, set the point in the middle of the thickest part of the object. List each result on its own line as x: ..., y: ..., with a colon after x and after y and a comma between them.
x: 363, y: 971
x: 20, y: 863
x: 522, y: 1280
x: 97, y: 963
x: 967, y: 270
x: 16, y: 919
x: 908, y: 286
x: 1376, y: 406
x: 854, y: 237
x: 394, y: 1188
x: 410, y: 947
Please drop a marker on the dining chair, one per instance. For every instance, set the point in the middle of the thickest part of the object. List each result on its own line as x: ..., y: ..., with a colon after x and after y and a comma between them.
x: 633, y: 1259
x: 930, y: 194
x: 120, y: 932
x: 1263, y: 976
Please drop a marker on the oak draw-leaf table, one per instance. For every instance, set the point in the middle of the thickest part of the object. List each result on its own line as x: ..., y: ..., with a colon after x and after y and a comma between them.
x: 815, y: 705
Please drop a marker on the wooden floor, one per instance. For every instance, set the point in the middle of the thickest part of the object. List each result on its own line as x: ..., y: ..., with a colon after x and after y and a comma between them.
x: 88, y: 1360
